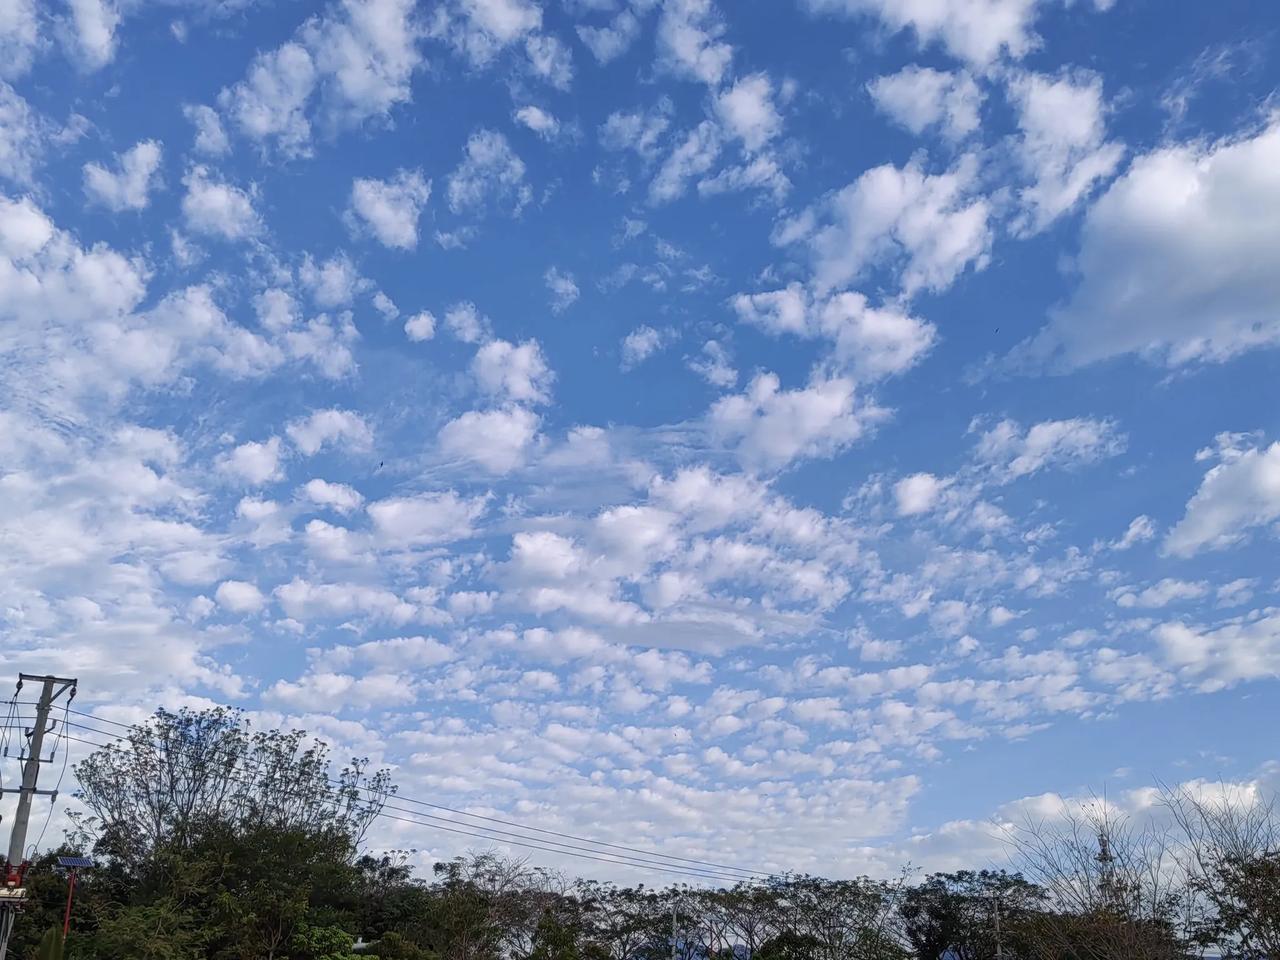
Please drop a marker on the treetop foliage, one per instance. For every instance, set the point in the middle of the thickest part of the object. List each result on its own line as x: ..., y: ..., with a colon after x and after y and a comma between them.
x: 216, y: 841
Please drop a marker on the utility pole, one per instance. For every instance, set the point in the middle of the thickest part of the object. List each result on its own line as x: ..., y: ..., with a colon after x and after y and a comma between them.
x: 674, y: 954
x: 995, y: 899
x: 52, y: 688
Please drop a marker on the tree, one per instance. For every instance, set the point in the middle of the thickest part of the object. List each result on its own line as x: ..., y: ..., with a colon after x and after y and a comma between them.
x: 171, y: 777
x: 962, y: 915
x: 1111, y: 890
x: 225, y: 843
x: 1230, y: 852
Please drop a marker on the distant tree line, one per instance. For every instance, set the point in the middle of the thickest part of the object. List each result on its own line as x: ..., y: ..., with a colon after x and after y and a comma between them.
x: 214, y: 841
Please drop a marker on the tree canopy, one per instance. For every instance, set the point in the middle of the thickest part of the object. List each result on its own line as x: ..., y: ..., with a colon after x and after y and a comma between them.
x: 215, y: 841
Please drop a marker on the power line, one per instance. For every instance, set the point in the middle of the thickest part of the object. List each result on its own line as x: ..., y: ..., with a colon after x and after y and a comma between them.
x: 439, y: 823
x: 723, y: 867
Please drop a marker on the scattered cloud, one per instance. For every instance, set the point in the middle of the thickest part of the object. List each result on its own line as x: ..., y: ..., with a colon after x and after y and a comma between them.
x: 490, y: 174
x: 977, y: 32
x: 714, y: 365
x: 513, y: 372
x: 927, y: 228
x: 539, y: 121
x: 747, y: 110
x: 390, y: 209
x: 1062, y: 146
x: 640, y: 344
x: 1012, y: 452
x: 1239, y: 494
x: 563, y: 289
x: 215, y: 208
x: 921, y: 98
x: 770, y: 427
x: 496, y: 440
x: 1172, y: 267
x: 129, y: 186
x: 333, y: 427
x: 690, y: 41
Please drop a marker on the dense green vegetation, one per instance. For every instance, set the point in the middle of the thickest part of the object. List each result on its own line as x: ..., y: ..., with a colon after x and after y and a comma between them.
x: 213, y: 841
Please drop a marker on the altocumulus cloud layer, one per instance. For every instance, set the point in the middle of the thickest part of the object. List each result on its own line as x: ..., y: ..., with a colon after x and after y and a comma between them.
x: 787, y: 432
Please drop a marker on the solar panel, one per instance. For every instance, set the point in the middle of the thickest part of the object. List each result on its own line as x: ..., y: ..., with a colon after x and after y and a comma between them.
x: 75, y: 862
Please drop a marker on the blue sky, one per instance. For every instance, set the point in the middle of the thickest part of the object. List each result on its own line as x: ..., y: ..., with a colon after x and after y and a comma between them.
x: 807, y: 429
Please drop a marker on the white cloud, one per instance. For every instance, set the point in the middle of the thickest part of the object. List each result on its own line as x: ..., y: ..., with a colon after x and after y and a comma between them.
x: 1062, y: 144
x: 874, y: 342
x: 1236, y: 592
x: 466, y: 322
x: 480, y: 29
x: 358, y: 57
x: 871, y: 342
x: 640, y: 344
x: 998, y: 616
x: 396, y: 654
x: 421, y: 326
x: 920, y: 98
x: 1216, y: 658
x: 1140, y: 530
x: 19, y: 37
x: 269, y: 105
x: 254, y: 463
x: 1160, y: 594
x: 689, y: 41
x: 1012, y: 452
x: 714, y: 365
x: 497, y: 440
x: 333, y: 427
x: 640, y: 131
x: 325, y: 342
x: 549, y: 59
x: 320, y: 691
x: 333, y: 283
x: 93, y: 31
x: 22, y: 136
x: 130, y: 185
x: 507, y: 20
x: 538, y: 120
x: 927, y: 228
x: 385, y: 306
x: 917, y: 493
x: 211, y: 138
x: 339, y: 496
x: 366, y: 51
x: 1179, y: 261
x: 563, y: 288
x: 240, y: 597
x: 759, y: 173
x: 608, y: 43
x: 979, y: 31
x: 215, y: 208
x: 427, y: 518
x: 785, y: 311
x: 391, y: 208
x: 303, y: 600
x: 489, y: 172
x: 691, y: 158
x: 770, y: 426
x: 510, y: 372
x: 1237, y: 495
x: 748, y: 111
